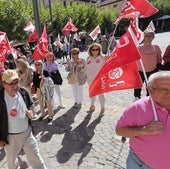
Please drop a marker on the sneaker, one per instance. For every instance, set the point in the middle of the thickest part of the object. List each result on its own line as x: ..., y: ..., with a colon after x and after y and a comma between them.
x: 50, y: 118
x: 41, y: 118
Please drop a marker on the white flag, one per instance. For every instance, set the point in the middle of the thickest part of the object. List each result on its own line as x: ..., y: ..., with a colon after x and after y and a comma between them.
x: 29, y: 27
x: 95, y: 33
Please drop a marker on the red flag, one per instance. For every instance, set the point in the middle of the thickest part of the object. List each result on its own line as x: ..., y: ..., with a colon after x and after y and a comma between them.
x: 33, y: 36
x: 95, y: 32
x: 41, y: 50
x: 4, y: 46
x: 121, y: 78
x: 136, y: 33
x: 124, y: 53
x: 69, y: 27
x: 136, y: 8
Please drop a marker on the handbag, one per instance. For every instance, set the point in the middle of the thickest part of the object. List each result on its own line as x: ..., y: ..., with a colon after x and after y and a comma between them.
x: 71, y: 77
x: 33, y: 89
x: 81, y: 78
x: 56, y: 77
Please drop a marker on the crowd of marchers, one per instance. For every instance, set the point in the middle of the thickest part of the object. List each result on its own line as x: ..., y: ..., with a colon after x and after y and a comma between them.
x: 22, y: 78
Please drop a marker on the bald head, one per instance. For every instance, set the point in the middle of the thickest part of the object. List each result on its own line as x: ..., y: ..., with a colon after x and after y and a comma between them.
x: 158, y: 77
x: 159, y: 88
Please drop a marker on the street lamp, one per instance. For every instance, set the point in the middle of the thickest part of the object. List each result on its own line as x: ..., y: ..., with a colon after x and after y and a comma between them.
x: 36, y: 16
x: 51, y: 17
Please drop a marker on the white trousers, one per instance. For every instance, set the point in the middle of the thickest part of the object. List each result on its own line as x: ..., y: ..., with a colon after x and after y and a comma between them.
x: 27, y: 141
x: 101, y: 97
x: 58, y: 92
x: 77, y: 92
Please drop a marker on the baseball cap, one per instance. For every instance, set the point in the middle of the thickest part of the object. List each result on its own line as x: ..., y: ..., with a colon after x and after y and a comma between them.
x: 9, y: 75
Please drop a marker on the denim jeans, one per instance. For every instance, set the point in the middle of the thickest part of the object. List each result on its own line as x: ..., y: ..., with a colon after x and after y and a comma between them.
x: 133, y: 162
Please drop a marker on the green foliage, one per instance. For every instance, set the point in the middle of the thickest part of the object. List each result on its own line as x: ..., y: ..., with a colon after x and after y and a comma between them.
x: 163, y: 6
x: 164, y: 9
x: 108, y: 17
x: 15, y: 14
x: 84, y: 16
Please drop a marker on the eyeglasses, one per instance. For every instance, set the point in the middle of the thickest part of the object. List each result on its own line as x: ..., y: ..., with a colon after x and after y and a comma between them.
x: 161, y: 89
x: 12, y: 84
x: 95, y: 49
x: 75, y: 53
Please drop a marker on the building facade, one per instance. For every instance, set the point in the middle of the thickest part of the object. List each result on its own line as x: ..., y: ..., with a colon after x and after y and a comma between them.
x: 110, y: 4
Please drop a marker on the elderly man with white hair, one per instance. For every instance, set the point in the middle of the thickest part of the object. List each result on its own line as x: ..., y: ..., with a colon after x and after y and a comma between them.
x: 147, y: 123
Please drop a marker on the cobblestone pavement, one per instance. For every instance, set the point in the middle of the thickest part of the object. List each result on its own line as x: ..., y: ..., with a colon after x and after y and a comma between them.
x: 77, y: 140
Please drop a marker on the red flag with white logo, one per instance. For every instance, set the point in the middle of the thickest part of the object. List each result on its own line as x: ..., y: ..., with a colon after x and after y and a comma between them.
x: 5, y: 47
x: 121, y: 78
x: 136, y: 8
x: 124, y: 53
x: 95, y: 33
x: 41, y: 50
x: 69, y: 27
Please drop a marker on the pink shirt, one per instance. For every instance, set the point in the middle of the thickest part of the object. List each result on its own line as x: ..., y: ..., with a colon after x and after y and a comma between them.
x: 152, y: 150
x: 149, y: 56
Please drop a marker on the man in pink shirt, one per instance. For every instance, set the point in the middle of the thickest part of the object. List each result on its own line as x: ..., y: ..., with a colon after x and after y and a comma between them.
x: 149, y: 132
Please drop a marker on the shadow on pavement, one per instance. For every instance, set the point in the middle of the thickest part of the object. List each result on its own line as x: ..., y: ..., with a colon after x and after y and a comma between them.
x: 77, y: 140
x: 59, y: 125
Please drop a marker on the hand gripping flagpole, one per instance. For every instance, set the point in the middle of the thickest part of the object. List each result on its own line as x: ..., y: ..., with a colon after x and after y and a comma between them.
x: 146, y: 80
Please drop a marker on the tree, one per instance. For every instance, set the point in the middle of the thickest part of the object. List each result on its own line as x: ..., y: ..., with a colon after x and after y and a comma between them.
x: 13, y: 16
x: 108, y: 17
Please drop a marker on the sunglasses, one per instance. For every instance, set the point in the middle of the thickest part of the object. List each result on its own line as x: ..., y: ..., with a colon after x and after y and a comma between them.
x: 95, y: 49
x: 75, y: 53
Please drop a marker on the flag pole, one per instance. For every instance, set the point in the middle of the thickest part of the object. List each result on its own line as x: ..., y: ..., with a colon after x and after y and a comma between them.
x: 108, y: 51
x: 146, y: 80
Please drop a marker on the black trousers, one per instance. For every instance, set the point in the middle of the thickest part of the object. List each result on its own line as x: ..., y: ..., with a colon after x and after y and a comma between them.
x: 137, y: 92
